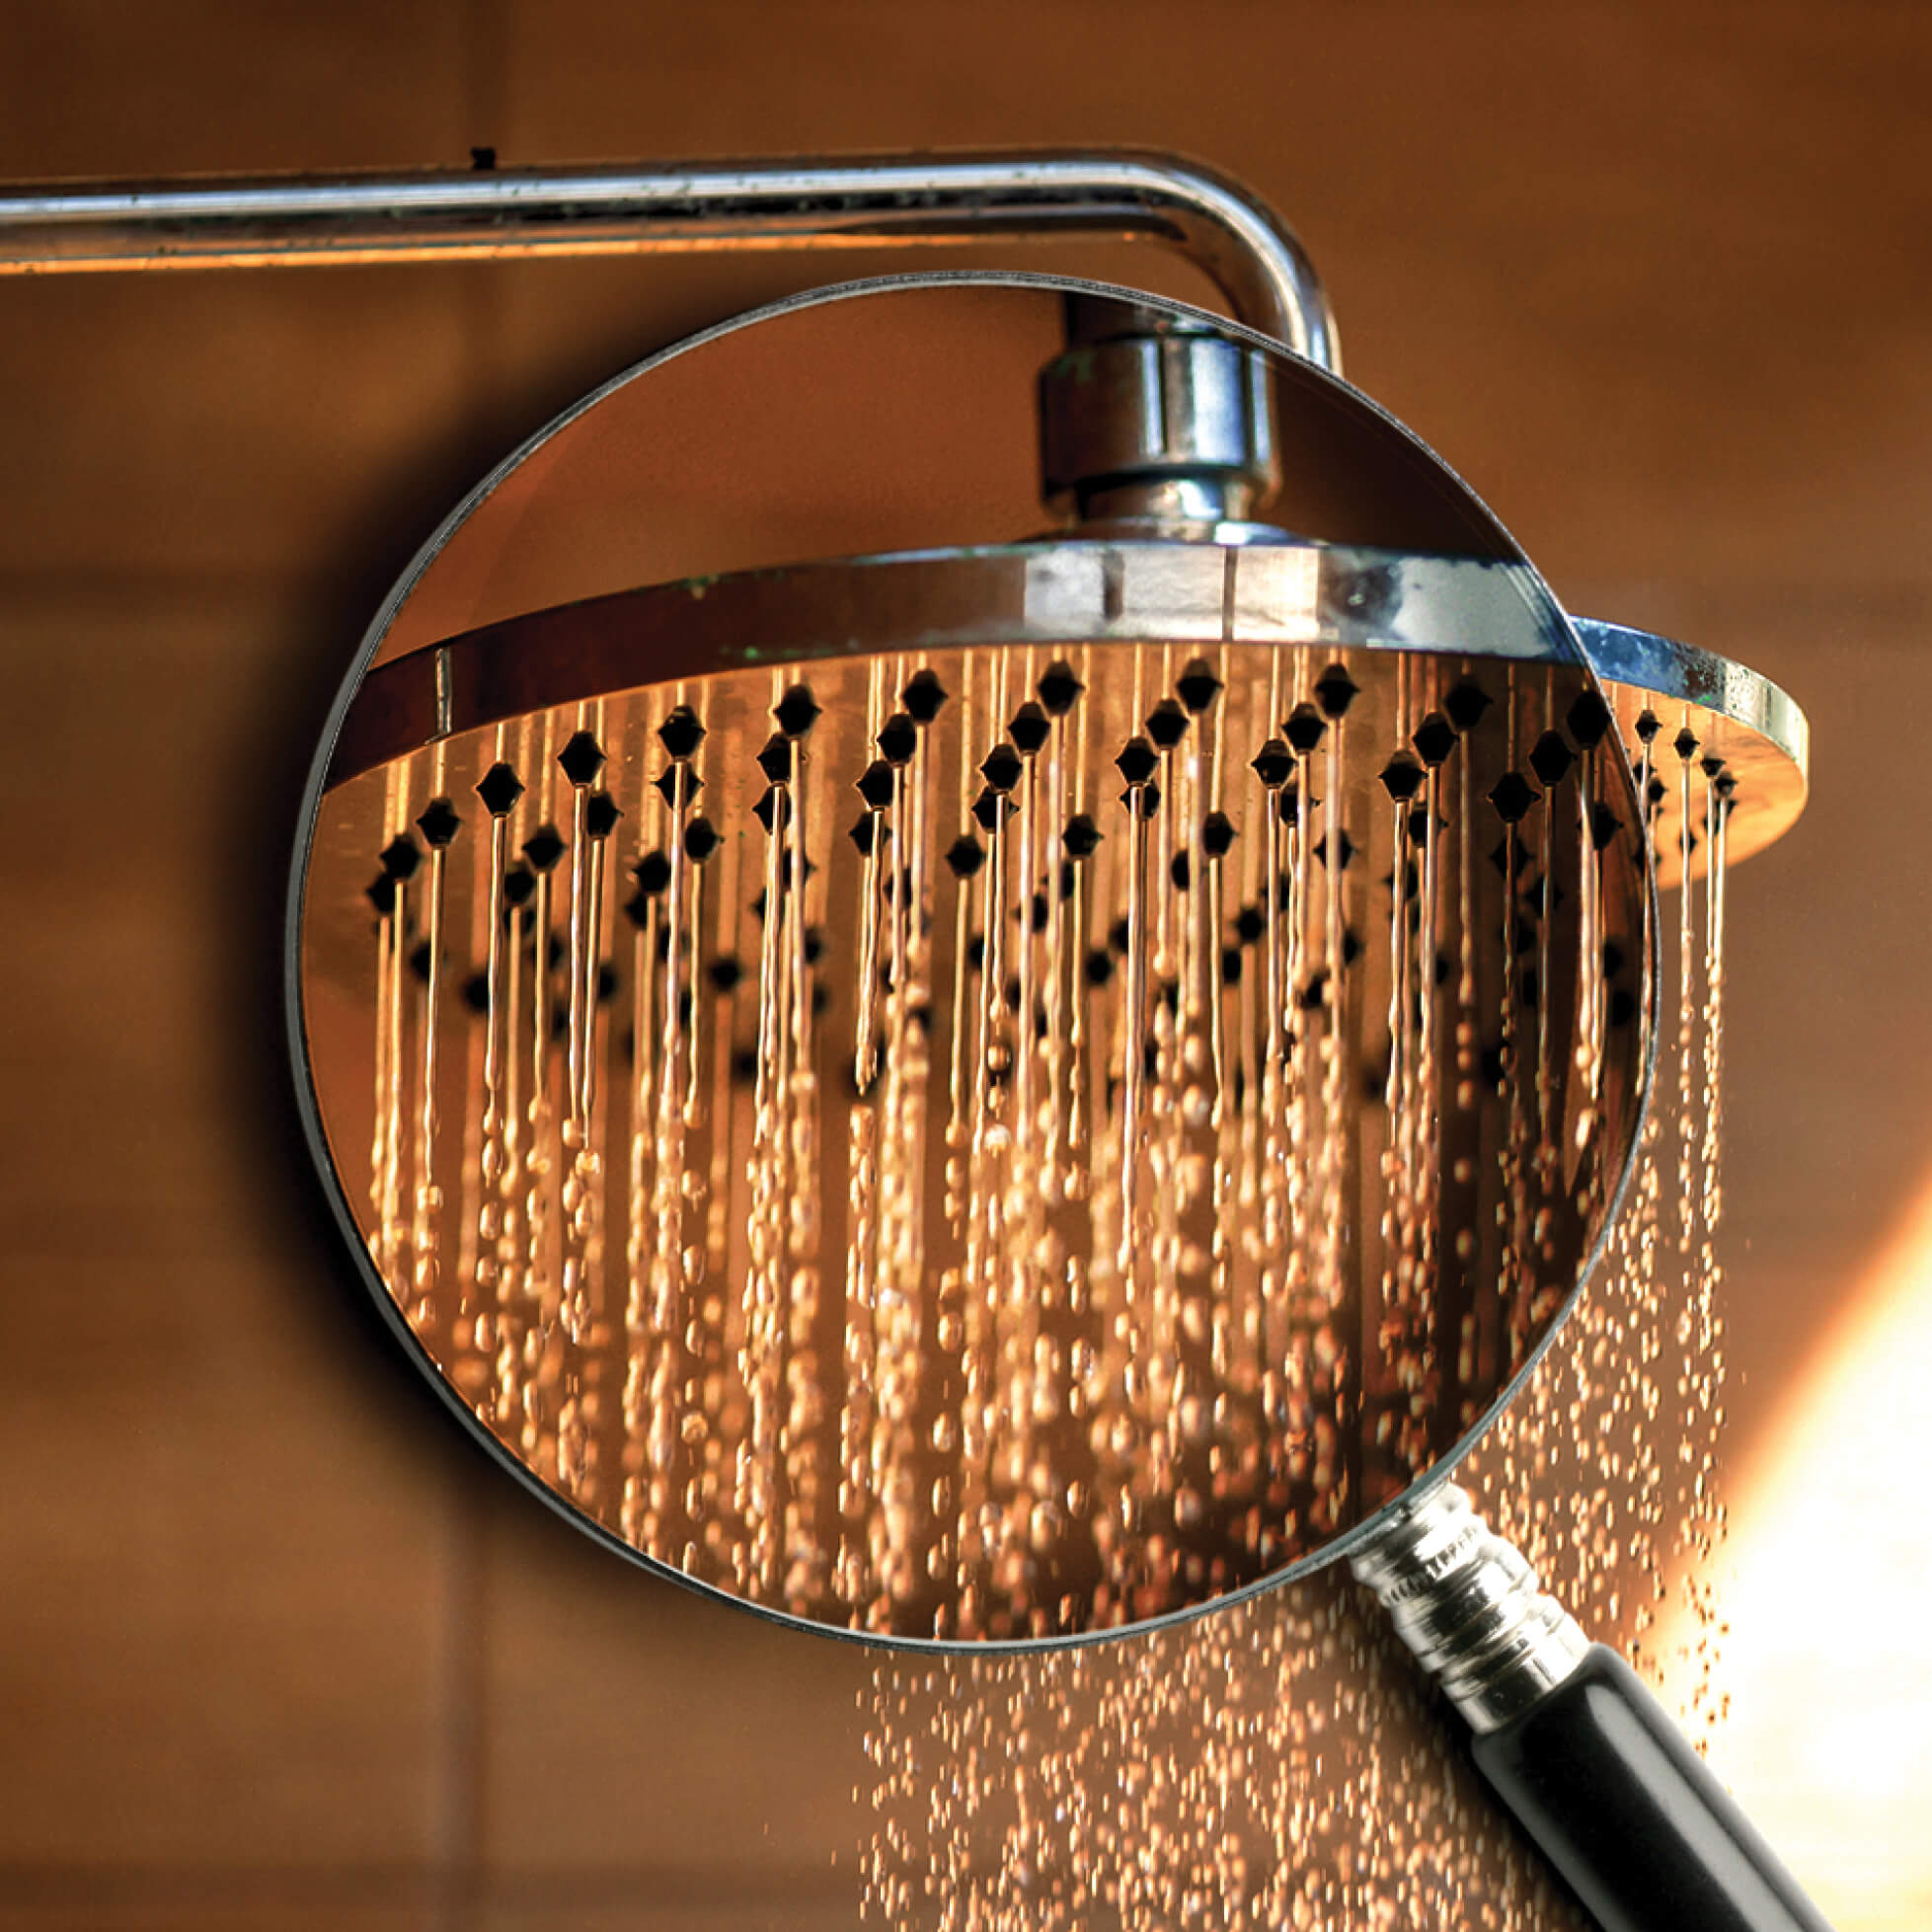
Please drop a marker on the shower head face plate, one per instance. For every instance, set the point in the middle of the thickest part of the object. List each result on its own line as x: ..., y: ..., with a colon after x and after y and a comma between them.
x: 1706, y: 735
x: 994, y: 1096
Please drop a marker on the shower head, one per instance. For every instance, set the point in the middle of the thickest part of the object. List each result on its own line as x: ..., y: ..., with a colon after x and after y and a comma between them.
x: 998, y: 1094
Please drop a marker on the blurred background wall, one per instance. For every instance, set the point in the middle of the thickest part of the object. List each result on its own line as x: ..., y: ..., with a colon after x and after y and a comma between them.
x: 276, y: 1648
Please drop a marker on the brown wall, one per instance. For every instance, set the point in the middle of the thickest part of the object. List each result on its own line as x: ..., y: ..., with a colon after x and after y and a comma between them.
x: 276, y: 1648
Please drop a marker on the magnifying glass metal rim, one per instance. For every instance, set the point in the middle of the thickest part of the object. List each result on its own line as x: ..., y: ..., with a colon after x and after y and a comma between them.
x: 1550, y: 622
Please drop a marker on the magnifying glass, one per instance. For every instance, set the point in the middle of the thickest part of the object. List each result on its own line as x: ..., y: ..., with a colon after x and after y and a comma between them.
x: 1004, y: 1094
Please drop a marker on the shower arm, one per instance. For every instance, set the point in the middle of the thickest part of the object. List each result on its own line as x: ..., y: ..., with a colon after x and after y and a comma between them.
x: 494, y: 215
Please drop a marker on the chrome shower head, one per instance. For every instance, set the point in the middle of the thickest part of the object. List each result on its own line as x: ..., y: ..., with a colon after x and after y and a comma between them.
x: 998, y: 1095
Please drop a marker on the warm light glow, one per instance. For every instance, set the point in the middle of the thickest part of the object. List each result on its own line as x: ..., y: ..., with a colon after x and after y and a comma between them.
x: 1828, y: 1746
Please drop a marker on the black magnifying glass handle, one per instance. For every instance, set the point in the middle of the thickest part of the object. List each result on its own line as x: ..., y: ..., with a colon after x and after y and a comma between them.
x: 1588, y: 1761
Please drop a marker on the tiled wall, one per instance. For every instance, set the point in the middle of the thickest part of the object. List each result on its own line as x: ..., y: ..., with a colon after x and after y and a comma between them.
x: 277, y: 1648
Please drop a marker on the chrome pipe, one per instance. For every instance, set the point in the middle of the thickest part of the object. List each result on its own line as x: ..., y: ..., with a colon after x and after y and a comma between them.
x: 491, y: 215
